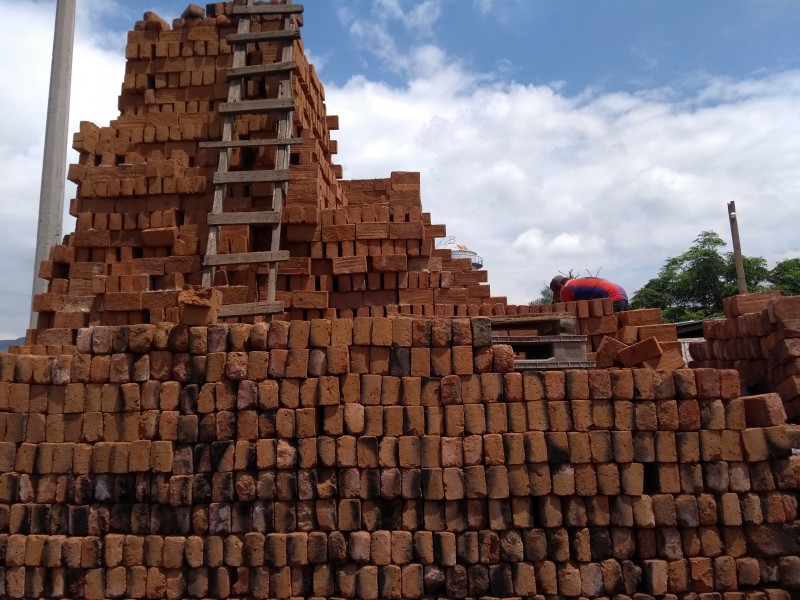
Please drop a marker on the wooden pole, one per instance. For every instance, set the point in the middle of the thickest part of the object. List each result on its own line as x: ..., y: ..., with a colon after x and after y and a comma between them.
x: 737, y: 248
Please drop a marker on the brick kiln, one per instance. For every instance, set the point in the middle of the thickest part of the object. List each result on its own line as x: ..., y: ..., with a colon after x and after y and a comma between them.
x: 369, y: 441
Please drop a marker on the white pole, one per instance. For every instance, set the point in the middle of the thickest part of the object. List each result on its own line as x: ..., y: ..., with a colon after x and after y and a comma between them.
x: 51, y: 197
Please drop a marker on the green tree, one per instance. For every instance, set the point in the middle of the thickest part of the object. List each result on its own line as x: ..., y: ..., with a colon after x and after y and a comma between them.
x: 785, y: 276
x: 692, y: 285
x: 756, y: 274
x: 545, y: 296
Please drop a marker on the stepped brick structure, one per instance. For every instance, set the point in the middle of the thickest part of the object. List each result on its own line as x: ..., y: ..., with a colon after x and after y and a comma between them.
x: 144, y: 192
x: 372, y: 441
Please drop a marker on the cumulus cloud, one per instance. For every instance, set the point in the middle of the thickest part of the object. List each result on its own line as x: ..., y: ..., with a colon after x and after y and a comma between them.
x: 98, y: 68
x: 372, y: 28
x: 538, y: 182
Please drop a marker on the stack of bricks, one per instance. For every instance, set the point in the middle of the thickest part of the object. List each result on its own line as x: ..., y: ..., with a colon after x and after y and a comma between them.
x: 382, y: 458
x: 361, y: 247
x: 641, y: 341
x: 376, y: 257
x: 346, y: 449
x: 760, y: 338
x: 144, y: 183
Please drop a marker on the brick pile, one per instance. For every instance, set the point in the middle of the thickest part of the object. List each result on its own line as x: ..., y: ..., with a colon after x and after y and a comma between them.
x: 144, y: 184
x: 369, y: 443
x: 382, y: 458
x: 760, y: 338
x: 360, y: 247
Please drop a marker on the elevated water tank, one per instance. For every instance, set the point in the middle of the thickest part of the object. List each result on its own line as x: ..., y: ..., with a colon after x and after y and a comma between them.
x: 460, y: 251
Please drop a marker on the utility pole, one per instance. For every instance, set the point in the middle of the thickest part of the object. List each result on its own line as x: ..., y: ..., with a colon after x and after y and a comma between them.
x: 737, y: 248
x: 51, y: 196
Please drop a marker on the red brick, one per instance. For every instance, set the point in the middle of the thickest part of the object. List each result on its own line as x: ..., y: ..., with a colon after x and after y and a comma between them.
x: 764, y: 410
x: 636, y: 354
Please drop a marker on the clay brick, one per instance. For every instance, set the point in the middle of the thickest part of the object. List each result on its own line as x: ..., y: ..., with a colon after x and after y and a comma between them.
x: 622, y: 384
x: 783, y: 308
x: 764, y: 410
x: 628, y: 334
x: 639, y: 352
x: 533, y: 385
x: 688, y: 415
x: 730, y: 384
x: 552, y: 385
x: 642, y: 316
x: 685, y: 384
x: 560, y: 416
x: 599, y: 384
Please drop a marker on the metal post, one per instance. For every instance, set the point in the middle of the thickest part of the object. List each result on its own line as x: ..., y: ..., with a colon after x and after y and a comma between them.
x: 737, y: 248
x: 51, y: 196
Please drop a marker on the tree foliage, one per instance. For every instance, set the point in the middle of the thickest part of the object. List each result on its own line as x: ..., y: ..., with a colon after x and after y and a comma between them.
x: 785, y: 276
x: 692, y: 285
x: 545, y: 296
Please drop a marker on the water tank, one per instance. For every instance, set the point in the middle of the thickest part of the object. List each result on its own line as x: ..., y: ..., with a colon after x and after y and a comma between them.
x: 460, y: 251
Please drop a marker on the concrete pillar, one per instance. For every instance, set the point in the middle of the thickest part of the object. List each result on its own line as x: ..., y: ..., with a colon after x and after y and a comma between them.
x: 51, y: 196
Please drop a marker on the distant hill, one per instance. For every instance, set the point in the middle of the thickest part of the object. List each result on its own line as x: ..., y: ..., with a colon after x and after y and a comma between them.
x: 4, y: 344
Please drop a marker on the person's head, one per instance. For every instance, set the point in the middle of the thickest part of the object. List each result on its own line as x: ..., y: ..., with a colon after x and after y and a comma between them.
x: 555, y: 286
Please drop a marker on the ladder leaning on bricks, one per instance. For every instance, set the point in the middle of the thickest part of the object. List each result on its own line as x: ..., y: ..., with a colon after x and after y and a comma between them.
x: 282, y: 105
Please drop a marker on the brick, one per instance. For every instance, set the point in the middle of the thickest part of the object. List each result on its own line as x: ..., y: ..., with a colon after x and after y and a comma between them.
x: 636, y: 354
x: 707, y: 381
x: 764, y: 410
x: 642, y: 316
x: 783, y: 308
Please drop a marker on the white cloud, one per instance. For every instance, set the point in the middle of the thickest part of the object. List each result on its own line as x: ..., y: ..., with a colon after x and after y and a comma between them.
x: 537, y: 182
x: 419, y: 20
x: 98, y: 68
x: 372, y: 27
x: 484, y: 6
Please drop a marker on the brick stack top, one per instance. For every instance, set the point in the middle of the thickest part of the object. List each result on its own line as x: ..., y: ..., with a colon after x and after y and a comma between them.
x: 382, y: 458
x: 760, y: 338
x: 357, y: 247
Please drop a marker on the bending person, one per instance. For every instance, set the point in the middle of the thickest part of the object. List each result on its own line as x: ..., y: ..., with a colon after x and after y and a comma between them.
x: 588, y: 288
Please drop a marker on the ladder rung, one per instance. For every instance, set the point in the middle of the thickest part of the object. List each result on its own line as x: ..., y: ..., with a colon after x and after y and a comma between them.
x: 251, y: 308
x: 245, y: 258
x: 251, y: 143
x: 263, y: 36
x: 268, y: 9
x: 250, y: 70
x: 255, y: 106
x: 266, y: 217
x: 278, y: 176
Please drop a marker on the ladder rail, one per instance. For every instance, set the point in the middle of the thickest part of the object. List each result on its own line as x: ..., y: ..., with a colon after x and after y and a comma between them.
x: 281, y: 154
x: 223, y: 164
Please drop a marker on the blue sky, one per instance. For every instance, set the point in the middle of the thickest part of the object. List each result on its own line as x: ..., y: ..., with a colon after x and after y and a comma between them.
x: 599, y: 136
x: 615, y: 45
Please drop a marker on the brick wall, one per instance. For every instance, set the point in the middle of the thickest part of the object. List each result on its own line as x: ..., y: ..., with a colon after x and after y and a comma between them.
x: 381, y: 458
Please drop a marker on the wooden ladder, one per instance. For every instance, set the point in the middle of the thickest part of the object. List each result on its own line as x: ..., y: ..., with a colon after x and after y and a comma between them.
x: 283, y: 105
